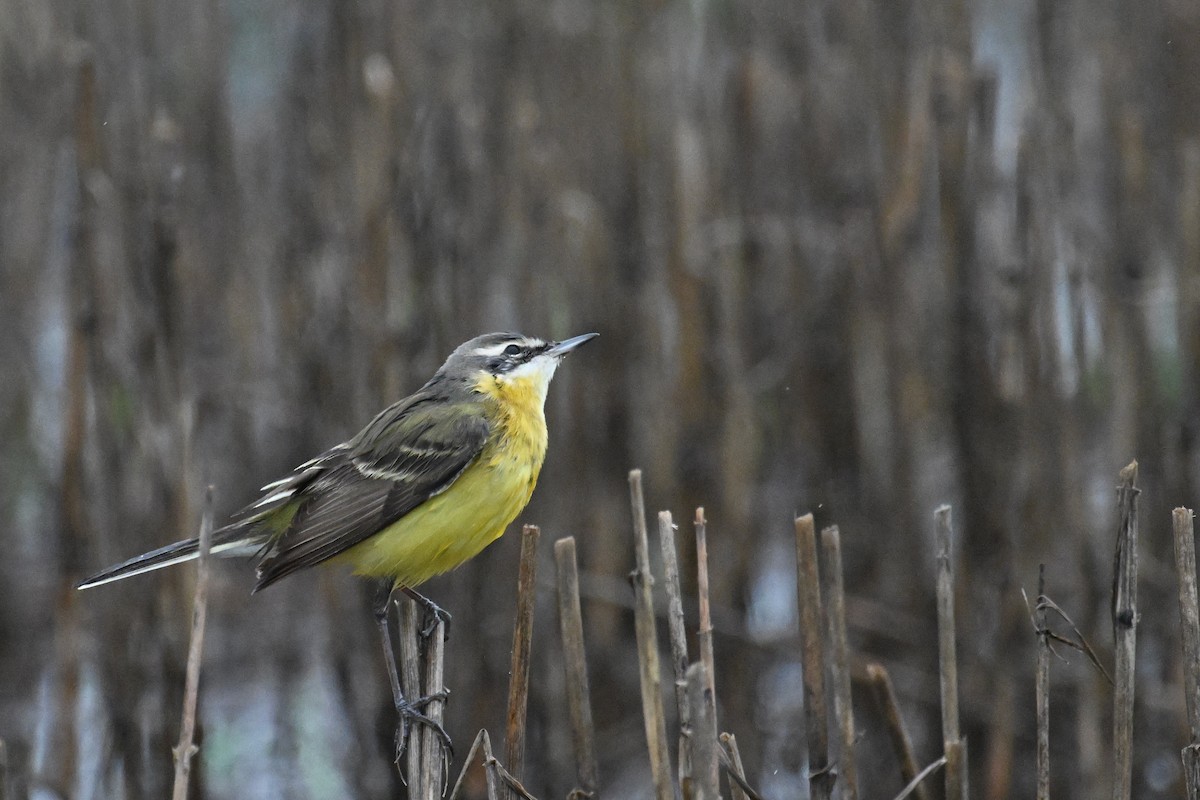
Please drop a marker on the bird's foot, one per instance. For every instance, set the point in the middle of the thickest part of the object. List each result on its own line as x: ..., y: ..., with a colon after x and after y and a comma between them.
x: 433, y: 614
x: 411, y: 712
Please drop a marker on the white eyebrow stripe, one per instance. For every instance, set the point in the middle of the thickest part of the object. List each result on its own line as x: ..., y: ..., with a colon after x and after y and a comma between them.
x: 497, y: 349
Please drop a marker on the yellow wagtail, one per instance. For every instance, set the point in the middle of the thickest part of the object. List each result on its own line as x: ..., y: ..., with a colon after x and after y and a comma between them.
x: 426, y: 485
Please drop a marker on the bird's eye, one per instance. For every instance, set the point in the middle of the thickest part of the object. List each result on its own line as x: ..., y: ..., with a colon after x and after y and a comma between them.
x: 512, y: 350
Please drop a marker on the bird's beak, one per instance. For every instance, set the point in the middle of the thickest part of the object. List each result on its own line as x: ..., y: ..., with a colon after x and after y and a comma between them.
x: 567, y: 345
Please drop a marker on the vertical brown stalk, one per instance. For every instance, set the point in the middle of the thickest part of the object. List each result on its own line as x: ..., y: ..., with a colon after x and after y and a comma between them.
x: 1125, y: 620
x: 647, y: 641
x: 186, y: 748
x: 703, y: 738
x: 1189, y: 619
x: 843, y: 705
x: 678, y: 631
x: 956, y: 767
x: 432, y: 748
x: 1042, y: 690
x: 579, y: 702
x: 518, y: 686
x: 410, y: 679
x: 812, y: 656
x: 704, y: 636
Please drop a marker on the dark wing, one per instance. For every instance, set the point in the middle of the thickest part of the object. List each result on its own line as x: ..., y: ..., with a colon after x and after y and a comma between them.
x: 408, y: 454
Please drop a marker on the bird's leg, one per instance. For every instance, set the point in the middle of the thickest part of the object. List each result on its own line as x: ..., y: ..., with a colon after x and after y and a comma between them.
x: 409, y: 711
x: 433, y: 612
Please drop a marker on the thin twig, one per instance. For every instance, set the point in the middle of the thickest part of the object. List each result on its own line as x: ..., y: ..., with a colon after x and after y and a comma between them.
x: 518, y: 686
x: 187, y: 731
x: 1189, y: 615
x: 815, y: 712
x: 885, y: 698
x: 1042, y: 692
x: 915, y: 784
x: 678, y: 635
x: 647, y: 641
x: 843, y: 706
x: 948, y: 660
x: 579, y: 703
x: 703, y: 738
x: 733, y: 768
x: 433, y: 754
x: 1125, y: 620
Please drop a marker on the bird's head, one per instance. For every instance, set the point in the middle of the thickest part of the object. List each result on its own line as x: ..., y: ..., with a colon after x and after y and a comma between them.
x: 510, y: 362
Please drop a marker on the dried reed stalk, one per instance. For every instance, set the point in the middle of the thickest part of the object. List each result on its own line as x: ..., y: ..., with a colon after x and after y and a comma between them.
x: 885, y: 697
x: 843, y: 705
x: 647, y: 641
x: 703, y: 736
x: 730, y: 746
x: 816, y: 716
x: 678, y: 634
x: 1125, y: 620
x: 956, y: 766
x: 1189, y: 618
x: 191, y: 692
x: 1189, y: 615
x: 410, y: 619
x: 518, y: 686
x: 1042, y: 691
x: 704, y: 636
x: 579, y: 704
x: 433, y: 755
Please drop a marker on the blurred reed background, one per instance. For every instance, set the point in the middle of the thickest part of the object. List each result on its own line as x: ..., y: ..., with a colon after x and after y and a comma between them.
x: 859, y: 258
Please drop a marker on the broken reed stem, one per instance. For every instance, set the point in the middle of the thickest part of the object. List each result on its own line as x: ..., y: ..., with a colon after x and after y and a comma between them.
x: 1191, y: 770
x: 1125, y: 619
x: 191, y: 691
x: 489, y: 767
x: 1042, y: 691
x: 843, y: 704
x: 811, y: 620
x: 1189, y: 619
x: 678, y: 632
x: 703, y: 736
x: 433, y: 754
x: 579, y: 704
x: 409, y: 619
x: 885, y: 697
x: 704, y: 636
x: 948, y: 660
x: 1189, y: 615
x: 518, y: 682
x: 730, y: 746
x: 647, y: 641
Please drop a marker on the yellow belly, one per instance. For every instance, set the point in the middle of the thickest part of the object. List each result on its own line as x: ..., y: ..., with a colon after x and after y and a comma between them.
x: 457, y: 524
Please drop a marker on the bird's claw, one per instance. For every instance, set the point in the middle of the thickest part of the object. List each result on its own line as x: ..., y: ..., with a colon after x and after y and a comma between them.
x: 410, y: 712
x: 433, y: 615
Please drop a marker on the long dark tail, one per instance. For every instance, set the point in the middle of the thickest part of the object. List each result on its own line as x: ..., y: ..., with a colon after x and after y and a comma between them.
x: 238, y: 539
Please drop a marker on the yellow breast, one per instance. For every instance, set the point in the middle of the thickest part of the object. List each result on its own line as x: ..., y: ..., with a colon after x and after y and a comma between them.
x: 457, y: 524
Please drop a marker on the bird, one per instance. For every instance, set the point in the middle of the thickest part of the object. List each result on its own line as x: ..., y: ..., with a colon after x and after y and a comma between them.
x: 430, y: 482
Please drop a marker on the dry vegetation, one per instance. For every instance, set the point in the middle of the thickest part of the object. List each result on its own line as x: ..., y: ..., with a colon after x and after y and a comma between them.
x: 863, y: 258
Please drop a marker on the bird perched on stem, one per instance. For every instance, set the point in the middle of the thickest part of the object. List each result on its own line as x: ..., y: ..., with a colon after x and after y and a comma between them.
x: 425, y: 486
